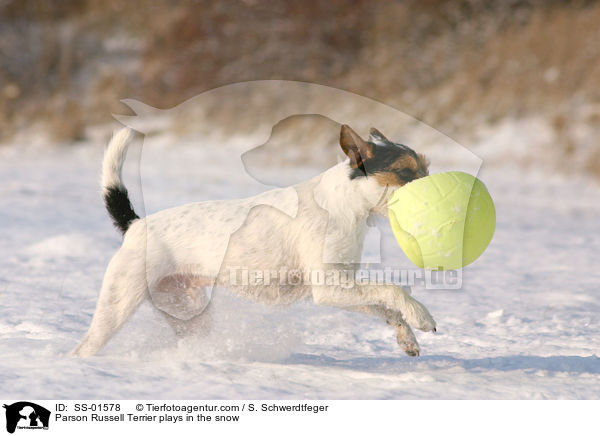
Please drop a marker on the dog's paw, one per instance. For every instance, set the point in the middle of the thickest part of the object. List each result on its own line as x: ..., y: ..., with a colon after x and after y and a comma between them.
x: 406, y: 339
x: 418, y: 316
x: 409, y: 347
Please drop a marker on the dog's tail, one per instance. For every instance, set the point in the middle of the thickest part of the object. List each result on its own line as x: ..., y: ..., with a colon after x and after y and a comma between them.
x: 114, y: 192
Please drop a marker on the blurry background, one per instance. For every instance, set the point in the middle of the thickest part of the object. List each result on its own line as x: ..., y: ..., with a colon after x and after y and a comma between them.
x: 524, y: 73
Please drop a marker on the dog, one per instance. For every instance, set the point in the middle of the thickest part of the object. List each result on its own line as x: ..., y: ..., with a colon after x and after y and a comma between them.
x: 176, y: 256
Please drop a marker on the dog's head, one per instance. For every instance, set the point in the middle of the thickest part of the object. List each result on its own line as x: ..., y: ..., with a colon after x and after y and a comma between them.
x: 390, y: 164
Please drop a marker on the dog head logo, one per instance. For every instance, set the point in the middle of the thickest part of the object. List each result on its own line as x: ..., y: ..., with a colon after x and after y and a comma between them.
x: 26, y: 415
x: 309, y: 119
x: 300, y: 122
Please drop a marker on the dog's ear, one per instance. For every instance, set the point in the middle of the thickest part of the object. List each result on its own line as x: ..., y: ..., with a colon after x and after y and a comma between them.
x: 377, y: 137
x: 355, y: 147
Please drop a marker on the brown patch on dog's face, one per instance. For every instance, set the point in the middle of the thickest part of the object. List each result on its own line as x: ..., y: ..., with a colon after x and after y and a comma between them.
x: 388, y: 179
x: 405, y: 162
x: 402, y: 170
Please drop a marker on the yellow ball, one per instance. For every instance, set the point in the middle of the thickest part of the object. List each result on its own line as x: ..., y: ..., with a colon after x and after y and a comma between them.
x: 443, y: 221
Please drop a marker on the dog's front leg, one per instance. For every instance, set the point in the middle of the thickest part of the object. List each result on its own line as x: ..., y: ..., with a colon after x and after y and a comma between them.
x: 391, y: 297
x: 404, y: 334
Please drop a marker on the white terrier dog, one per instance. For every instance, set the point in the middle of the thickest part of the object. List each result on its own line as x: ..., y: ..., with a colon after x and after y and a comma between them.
x: 176, y: 256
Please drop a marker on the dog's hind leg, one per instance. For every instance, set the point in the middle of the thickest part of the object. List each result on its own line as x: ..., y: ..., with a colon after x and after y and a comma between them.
x: 123, y: 289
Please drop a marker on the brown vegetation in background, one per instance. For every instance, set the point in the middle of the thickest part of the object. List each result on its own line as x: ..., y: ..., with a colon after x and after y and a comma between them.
x: 453, y: 64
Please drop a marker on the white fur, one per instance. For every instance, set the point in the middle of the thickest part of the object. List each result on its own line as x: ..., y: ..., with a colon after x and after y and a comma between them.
x: 114, y: 158
x: 304, y: 227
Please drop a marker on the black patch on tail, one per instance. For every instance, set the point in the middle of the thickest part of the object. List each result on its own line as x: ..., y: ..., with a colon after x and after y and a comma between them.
x: 119, y: 207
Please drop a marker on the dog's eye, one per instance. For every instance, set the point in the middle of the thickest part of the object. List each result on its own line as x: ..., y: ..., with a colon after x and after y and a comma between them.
x: 406, y: 174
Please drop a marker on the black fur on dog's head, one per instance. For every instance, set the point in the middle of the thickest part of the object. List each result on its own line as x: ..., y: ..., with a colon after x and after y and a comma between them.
x: 391, y: 164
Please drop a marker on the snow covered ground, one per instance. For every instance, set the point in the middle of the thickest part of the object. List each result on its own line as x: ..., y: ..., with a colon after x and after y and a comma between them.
x: 525, y: 324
